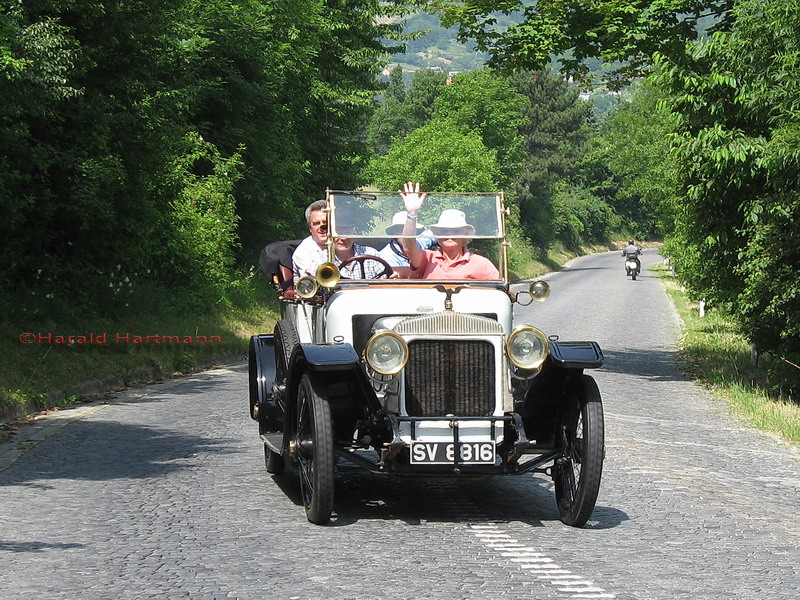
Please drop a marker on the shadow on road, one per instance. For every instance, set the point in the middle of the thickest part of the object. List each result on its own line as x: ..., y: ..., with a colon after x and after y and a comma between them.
x: 35, y: 546
x: 656, y: 365
x: 105, y: 450
x: 365, y: 496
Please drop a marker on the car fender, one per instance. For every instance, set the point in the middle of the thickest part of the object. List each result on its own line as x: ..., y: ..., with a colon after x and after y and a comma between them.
x: 328, y: 357
x: 319, y: 358
x: 333, y: 364
x: 261, y: 370
x: 576, y: 355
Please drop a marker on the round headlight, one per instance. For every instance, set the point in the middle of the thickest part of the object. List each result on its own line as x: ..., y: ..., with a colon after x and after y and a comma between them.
x: 539, y: 290
x: 306, y: 287
x: 527, y: 347
x: 386, y: 352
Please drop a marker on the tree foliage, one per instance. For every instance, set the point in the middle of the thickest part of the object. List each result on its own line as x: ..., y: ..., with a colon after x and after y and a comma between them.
x: 555, y: 132
x: 634, y: 147
x: 738, y: 142
x: 623, y: 33
x: 396, y: 117
x: 581, y: 217
x: 441, y: 157
x: 164, y: 140
x: 478, y: 113
x: 482, y: 102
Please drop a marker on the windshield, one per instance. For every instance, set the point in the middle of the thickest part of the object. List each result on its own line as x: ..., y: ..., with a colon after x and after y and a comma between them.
x: 371, y: 214
x: 374, y: 219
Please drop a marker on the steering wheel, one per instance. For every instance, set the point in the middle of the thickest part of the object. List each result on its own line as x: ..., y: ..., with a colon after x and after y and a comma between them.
x: 361, y: 259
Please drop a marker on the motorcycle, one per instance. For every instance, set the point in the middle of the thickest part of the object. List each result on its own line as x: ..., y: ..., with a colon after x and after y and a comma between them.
x: 632, y: 266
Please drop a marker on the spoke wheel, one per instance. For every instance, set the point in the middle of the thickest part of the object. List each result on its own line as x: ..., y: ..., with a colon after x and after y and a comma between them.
x: 285, y: 341
x: 577, y: 472
x: 314, y: 451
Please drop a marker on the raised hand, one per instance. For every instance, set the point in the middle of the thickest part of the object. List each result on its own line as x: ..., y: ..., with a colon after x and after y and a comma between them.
x: 412, y: 199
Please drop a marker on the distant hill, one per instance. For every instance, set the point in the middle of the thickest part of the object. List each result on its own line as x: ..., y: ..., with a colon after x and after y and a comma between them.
x: 438, y: 49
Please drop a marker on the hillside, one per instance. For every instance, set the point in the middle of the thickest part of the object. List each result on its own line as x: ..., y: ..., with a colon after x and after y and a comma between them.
x: 438, y: 48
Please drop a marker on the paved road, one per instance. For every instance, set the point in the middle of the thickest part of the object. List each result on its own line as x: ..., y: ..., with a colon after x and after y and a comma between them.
x: 162, y: 493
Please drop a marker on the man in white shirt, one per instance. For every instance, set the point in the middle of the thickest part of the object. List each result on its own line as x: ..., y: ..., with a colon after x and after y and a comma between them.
x: 345, y: 248
x: 313, y: 250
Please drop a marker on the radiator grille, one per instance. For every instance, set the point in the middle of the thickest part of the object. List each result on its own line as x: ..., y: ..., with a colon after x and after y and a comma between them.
x: 450, y: 377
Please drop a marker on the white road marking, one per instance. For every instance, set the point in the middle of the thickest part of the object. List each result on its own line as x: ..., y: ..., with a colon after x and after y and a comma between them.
x: 537, y: 564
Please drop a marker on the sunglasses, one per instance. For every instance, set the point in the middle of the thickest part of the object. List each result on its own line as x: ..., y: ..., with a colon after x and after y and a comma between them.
x: 446, y: 231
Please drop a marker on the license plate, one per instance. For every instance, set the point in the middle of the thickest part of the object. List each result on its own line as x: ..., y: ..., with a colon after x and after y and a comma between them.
x: 443, y: 453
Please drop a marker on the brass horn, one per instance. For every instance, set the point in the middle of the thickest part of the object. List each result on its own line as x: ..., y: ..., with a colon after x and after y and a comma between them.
x: 327, y: 275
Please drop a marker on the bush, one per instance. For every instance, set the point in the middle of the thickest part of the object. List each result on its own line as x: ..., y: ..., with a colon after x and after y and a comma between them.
x: 203, y: 217
x: 582, y: 218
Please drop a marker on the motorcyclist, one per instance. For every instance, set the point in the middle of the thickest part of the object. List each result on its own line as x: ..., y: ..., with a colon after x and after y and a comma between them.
x: 632, y: 252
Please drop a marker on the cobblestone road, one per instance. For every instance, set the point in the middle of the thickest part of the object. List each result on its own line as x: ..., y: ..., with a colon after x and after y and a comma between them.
x: 162, y: 493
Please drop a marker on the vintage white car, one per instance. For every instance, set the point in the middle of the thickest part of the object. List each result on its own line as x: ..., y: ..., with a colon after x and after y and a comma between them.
x: 417, y: 376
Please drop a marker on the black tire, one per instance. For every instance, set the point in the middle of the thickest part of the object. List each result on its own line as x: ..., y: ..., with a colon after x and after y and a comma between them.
x: 314, y: 451
x: 578, y: 471
x: 633, y: 276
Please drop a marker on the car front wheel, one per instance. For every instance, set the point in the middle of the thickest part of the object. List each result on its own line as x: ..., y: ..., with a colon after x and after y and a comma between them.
x: 314, y: 451
x: 577, y: 472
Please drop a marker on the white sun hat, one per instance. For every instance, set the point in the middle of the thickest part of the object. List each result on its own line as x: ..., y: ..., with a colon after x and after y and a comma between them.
x: 452, y: 218
x: 399, y: 222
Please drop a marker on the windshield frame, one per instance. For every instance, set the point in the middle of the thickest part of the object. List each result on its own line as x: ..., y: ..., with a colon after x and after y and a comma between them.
x: 370, y: 213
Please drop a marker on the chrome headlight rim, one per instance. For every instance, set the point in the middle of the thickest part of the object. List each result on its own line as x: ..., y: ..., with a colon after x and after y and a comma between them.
x: 527, y: 365
x: 306, y: 287
x: 539, y: 290
x: 397, y: 365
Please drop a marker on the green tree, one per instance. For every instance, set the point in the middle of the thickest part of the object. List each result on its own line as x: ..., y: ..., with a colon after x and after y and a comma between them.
x: 623, y: 33
x: 481, y: 102
x: 581, y: 217
x: 634, y: 144
x: 738, y: 134
x: 87, y: 132
x: 426, y: 85
x: 396, y: 89
x: 441, y: 157
x: 557, y: 127
x: 293, y: 82
x: 396, y: 118
x: 127, y: 127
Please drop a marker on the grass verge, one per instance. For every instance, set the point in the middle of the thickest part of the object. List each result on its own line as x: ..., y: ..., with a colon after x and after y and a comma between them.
x: 43, y: 368
x: 719, y: 357
x: 530, y: 264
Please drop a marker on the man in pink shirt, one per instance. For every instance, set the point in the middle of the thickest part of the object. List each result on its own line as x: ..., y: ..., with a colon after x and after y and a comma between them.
x: 452, y: 260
